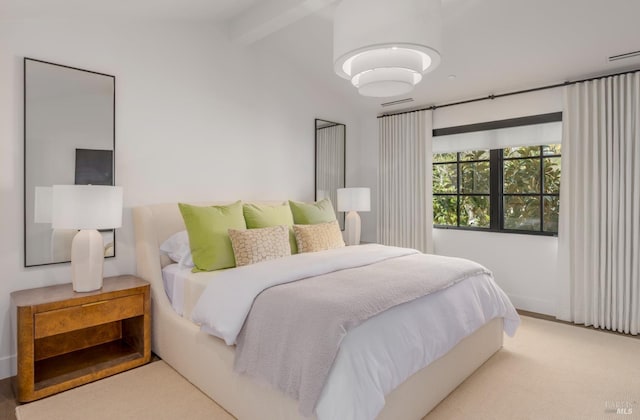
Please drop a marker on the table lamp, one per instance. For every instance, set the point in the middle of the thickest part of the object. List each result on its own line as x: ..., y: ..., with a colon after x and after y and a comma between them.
x: 87, y: 208
x: 353, y: 200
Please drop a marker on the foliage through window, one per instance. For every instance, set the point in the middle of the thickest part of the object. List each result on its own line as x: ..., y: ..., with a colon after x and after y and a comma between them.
x: 513, y: 189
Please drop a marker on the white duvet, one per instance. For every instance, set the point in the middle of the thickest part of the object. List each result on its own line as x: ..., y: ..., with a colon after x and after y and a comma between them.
x: 226, y: 302
x: 381, y: 353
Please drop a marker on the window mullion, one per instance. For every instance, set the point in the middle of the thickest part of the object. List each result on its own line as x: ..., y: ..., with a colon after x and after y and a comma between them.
x: 458, y: 188
x: 495, y: 188
x: 541, y: 189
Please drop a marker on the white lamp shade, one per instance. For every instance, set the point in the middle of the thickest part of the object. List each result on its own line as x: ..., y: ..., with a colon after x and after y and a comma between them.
x: 354, y: 199
x: 86, y: 207
x: 42, y: 205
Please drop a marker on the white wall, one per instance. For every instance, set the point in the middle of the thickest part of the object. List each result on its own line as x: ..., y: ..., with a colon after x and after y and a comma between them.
x: 366, y: 155
x: 523, y: 265
x: 197, y: 118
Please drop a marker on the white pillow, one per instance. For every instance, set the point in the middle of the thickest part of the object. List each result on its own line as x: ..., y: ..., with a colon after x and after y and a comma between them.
x: 178, y: 249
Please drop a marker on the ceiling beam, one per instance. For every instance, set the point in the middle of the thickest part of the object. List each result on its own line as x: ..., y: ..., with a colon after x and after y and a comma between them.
x: 269, y: 16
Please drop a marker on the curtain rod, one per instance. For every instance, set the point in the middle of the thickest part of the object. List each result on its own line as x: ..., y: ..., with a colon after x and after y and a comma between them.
x: 501, y: 95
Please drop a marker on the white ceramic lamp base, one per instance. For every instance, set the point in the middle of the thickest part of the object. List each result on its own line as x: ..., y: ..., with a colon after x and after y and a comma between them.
x: 87, y: 261
x: 352, y: 228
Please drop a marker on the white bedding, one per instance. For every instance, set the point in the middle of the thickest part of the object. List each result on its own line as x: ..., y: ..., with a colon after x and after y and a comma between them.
x: 174, y: 277
x: 384, y: 351
x: 184, y: 288
x: 226, y: 302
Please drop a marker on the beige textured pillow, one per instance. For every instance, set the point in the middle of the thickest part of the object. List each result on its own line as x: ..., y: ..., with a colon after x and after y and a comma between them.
x: 254, y: 245
x: 318, y: 237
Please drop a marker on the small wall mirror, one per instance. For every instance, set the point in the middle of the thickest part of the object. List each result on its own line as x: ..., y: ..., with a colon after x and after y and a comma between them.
x: 330, y: 162
x: 69, y: 138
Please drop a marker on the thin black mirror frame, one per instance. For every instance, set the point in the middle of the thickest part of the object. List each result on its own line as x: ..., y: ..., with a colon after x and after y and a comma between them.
x: 315, y: 163
x: 24, y: 150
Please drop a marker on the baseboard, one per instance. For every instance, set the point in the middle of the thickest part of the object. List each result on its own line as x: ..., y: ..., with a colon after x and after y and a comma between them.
x: 533, y: 305
x: 7, y: 366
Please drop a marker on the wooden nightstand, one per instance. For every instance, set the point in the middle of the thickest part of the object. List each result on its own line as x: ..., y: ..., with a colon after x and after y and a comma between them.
x: 66, y: 339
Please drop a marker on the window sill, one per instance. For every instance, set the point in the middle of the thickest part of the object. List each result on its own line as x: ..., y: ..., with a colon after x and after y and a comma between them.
x: 510, y: 232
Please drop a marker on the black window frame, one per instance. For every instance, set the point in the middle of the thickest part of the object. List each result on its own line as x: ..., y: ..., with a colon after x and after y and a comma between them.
x: 459, y: 195
x: 496, y: 164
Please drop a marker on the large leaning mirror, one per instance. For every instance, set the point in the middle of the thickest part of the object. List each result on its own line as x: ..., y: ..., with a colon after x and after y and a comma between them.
x: 330, y: 162
x: 69, y: 138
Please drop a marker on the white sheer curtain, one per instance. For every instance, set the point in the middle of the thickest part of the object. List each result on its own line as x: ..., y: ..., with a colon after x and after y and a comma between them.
x: 405, y: 207
x: 599, y: 238
x: 330, y: 163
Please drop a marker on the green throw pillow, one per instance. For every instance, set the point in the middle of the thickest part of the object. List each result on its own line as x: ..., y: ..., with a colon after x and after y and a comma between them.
x: 262, y: 216
x: 208, y: 234
x: 312, y: 213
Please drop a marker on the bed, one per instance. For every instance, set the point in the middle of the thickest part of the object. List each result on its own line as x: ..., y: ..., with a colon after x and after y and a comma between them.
x: 207, y: 361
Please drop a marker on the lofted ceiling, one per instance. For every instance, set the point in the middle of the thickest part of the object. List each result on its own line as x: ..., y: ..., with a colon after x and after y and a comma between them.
x: 489, y: 46
x: 194, y: 10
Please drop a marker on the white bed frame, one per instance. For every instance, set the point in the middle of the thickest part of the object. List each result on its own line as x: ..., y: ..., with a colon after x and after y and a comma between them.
x: 207, y: 361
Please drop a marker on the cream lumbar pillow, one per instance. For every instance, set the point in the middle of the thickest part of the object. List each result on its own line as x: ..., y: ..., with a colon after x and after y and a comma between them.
x: 318, y: 237
x: 255, y: 245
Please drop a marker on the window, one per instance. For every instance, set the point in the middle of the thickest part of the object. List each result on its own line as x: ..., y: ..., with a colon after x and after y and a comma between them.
x: 461, y: 189
x: 531, y: 188
x: 505, y: 189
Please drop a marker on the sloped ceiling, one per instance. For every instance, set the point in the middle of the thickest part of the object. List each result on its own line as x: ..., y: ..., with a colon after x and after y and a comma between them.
x: 490, y: 47
x: 195, y: 10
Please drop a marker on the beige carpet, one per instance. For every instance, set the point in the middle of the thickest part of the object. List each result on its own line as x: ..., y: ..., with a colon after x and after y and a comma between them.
x: 551, y: 371
x: 153, y: 392
x: 548, y: 371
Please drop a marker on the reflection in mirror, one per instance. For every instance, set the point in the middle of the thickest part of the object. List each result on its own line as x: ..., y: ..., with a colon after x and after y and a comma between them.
x: 330, y: 162
x: 69, y: 138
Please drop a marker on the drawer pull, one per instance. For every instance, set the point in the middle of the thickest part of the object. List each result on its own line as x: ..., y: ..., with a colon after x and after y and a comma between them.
x: 94, y: 303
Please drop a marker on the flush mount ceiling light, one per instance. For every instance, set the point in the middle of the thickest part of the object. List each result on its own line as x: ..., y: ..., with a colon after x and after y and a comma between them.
x: 383, y: 46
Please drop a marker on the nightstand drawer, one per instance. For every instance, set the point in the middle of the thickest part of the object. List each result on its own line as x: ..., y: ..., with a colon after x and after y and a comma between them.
x: 88, y: 315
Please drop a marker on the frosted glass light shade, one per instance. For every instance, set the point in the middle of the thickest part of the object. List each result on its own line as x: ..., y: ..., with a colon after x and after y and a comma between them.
x: 86, y: 207
x: 354, y: 199
x: 384, y: 47
x: 42, y: 205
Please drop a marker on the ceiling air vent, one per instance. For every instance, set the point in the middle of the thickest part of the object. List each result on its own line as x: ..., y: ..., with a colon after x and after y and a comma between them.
x: 624, y: 56
x: 398, y: 102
